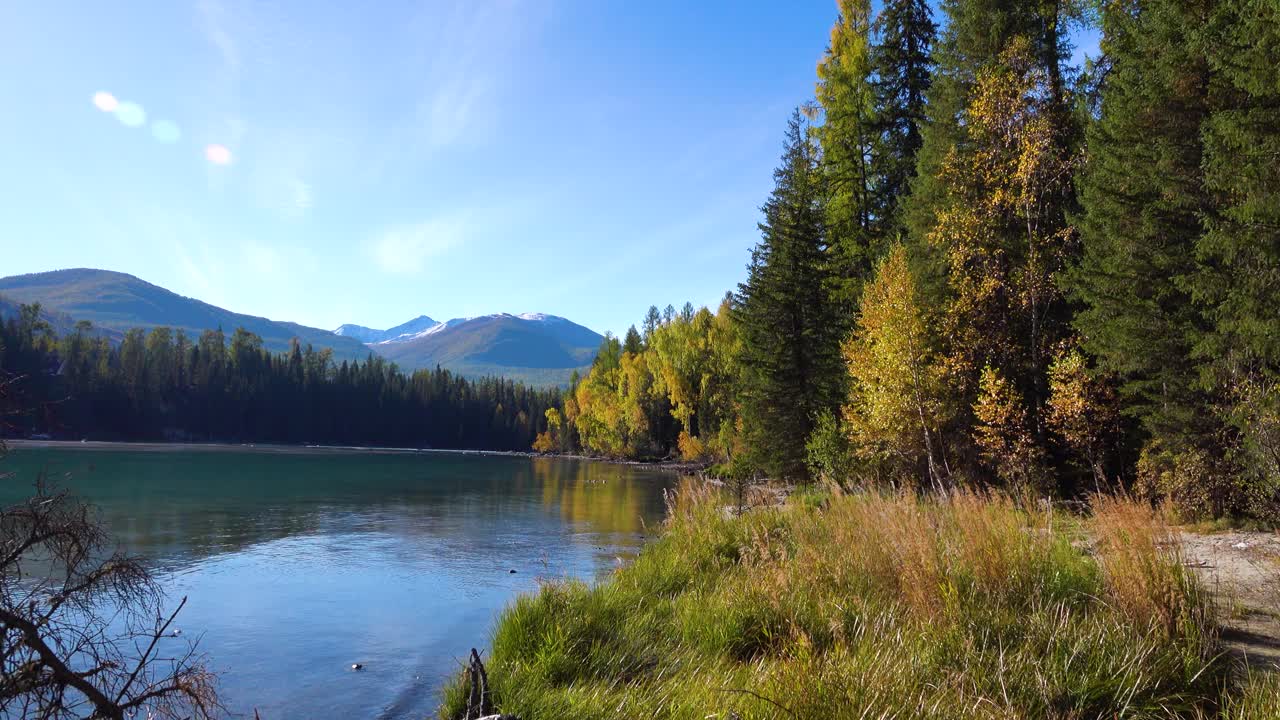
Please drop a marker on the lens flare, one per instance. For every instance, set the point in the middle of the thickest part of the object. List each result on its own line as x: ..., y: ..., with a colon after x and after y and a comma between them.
x: 105, y: 101
x: 166, y: 132
x: 217, y: 154
x: 131, y: 114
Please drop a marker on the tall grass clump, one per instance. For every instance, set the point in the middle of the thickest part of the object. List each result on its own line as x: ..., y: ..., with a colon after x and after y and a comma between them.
x: 1258, y: 698
x: 870, y: 606
x: 1143, y: 568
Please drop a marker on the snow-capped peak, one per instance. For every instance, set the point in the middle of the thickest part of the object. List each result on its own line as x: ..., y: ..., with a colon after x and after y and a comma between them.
x: 423, y: 326
x: 540, y: 317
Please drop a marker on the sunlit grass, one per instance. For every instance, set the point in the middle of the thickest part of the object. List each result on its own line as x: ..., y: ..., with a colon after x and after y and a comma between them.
x: 874, y: 606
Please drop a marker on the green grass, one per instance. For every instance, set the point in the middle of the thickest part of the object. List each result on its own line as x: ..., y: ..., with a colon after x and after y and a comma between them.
x: 875, y: 607
x: 1259, y: 698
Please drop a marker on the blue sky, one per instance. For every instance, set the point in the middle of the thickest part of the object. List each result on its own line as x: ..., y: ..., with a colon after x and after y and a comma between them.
x: 585, y: 158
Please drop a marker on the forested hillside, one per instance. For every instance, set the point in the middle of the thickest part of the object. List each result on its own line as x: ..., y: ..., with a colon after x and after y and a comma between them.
x: 982, y: 265
x: 532, y: 348
x: 118, y: 302
x: 537, y: 349
x: 164, y: 385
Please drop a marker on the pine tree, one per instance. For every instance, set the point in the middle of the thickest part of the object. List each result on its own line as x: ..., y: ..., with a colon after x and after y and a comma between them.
x: 902, y: 65
x: 1239, y: 278
x: 652, y: 319
x: 632, y: 342
x: 1143, y: 198
x: 790, y: 334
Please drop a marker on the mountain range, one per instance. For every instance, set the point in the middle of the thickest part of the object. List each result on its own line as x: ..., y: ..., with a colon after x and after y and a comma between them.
x: 370, y: 335
x: 545, y: 348
x: 530, y: 347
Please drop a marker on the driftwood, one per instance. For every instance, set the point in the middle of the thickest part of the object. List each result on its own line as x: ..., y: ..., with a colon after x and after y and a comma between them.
x: 479, y: 699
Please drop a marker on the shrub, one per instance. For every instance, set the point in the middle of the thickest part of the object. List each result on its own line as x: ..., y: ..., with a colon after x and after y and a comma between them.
x: 1196, y: 482
x: 828, y: 453
x: 692, y: 449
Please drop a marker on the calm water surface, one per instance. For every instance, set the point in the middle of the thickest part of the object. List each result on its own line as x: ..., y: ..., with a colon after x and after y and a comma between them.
x: 297, y: 565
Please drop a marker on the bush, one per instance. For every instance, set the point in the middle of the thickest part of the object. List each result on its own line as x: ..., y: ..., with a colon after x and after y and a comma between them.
x: 691, y: 448
x: 828, y: 453
x: 1197, y: 483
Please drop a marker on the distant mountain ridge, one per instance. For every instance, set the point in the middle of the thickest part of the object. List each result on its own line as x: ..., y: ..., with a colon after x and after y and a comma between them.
x: 541, y: 348
x: 118, y: 301
x: 531, y: 347
x: 369, y: 336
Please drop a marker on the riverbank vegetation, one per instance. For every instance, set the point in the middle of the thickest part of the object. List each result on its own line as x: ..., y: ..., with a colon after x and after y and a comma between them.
x: 878, y: 605
x: 985, y: 265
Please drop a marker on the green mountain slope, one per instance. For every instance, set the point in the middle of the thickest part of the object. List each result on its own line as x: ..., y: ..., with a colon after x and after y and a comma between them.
x: 535, y: 349
x: 116, y: 301
x: 60, y: 322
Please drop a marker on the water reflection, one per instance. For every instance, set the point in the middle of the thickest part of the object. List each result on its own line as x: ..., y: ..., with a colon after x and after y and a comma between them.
x: 298, y: 565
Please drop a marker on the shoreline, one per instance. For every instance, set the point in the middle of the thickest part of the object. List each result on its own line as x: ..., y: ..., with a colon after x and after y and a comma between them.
x: 282, y: 449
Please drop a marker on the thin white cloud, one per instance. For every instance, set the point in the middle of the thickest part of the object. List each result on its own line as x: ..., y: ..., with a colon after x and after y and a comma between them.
x: 465, y: 59
x: 407, y: 249
x: 279, y: 185
x: 214, y: 23
x: 451, y: 109
x: 199, y: 272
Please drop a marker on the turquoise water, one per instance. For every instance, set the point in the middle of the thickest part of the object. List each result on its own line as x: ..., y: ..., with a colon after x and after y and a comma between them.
x: 298, y: 565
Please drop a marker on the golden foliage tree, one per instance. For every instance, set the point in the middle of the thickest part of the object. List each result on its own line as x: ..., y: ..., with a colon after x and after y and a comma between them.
x: 1005, y: 238
x: 1004, y: 435
x: 897, y: 396
x: 1083, y: 412
x: 551, y: 439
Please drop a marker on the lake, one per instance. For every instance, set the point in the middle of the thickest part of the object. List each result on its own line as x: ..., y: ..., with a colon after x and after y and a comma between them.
x: 298, y: 564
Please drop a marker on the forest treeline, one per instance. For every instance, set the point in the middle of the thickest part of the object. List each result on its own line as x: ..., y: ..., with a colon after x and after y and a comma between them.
x: 982, y: 265
x: 162, y: 385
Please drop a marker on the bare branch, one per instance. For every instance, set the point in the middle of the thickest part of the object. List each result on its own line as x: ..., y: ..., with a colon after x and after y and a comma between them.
x: 81, y: 625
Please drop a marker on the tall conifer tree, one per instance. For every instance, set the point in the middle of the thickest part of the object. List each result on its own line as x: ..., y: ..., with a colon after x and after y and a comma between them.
x: 1239, y: 280
x: 847, y: 135
x: 902, y: 64
x: 1143, y: 199
x: 790, y: 335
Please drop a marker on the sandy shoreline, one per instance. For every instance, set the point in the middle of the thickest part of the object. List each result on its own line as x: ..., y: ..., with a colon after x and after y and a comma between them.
x: 267, y: 448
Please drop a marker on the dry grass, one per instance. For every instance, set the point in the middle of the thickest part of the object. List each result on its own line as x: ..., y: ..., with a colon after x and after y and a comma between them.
x: 1142, y: 563
x: 871, y: 606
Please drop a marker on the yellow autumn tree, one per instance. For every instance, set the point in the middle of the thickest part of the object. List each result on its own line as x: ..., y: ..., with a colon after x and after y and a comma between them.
x: 1083, y: 411
x: 551, y: 439
x: 637, y: 391
x: 599, y: 418
x: 1004, y: 436
x: 692, y: 359
x: 897, y: 404
x: 1005, y: 240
